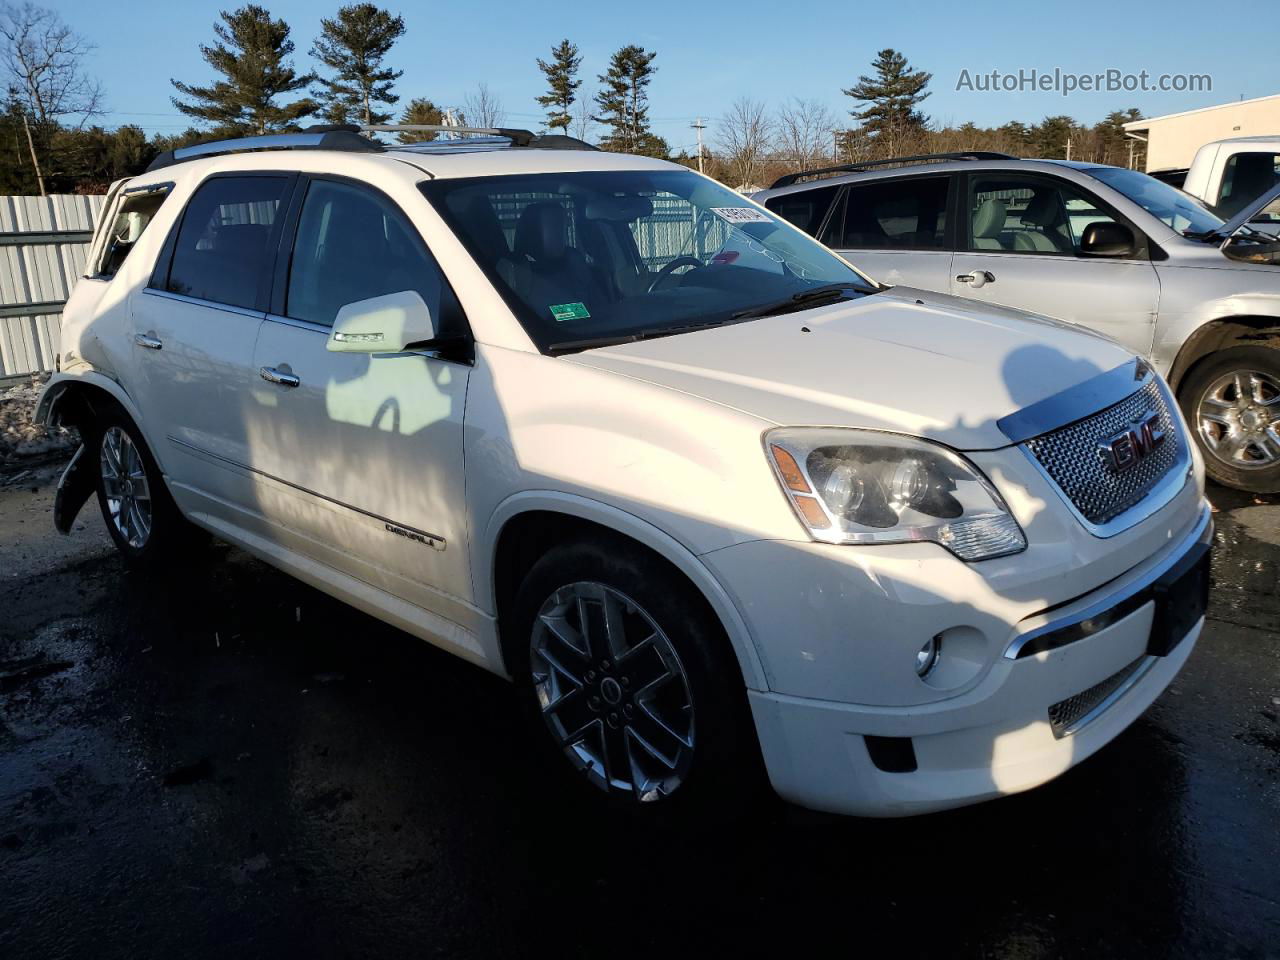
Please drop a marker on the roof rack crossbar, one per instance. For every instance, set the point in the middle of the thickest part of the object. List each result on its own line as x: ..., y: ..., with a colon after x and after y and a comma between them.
x: 518, y: 137
x: 344, y: 138
x: 788, y: 179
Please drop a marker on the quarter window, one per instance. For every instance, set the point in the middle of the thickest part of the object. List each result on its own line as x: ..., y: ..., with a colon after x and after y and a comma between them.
x: 133, y: 215
x: 354, y: 244
x: 895, y: 215
x: 223, y: 249
x: 1022, y: 215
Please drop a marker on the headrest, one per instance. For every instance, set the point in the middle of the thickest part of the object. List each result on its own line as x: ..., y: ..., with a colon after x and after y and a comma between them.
x: 541, y: 232
x: 1043, y: 209
x: 989, y: 220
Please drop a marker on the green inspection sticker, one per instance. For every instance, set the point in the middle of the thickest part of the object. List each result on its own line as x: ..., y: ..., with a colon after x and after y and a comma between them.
x: 569, y: 311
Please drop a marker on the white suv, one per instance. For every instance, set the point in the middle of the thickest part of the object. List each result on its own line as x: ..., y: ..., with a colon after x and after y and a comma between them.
x: 714, y: 501
x: 1108, y: 248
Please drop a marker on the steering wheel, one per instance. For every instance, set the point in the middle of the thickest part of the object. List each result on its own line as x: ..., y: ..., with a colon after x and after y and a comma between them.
x: 671, y: 267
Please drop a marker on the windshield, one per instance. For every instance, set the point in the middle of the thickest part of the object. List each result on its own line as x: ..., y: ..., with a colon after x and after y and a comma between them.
x: 588, y: 258
x: 1175, y: 209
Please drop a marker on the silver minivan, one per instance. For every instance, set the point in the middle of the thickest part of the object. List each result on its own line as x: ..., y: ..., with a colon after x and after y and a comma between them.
x: 1109, y: 248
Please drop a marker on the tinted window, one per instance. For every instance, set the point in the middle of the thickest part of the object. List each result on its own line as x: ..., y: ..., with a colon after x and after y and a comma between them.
x: 805, y: 209
x: 133, y: 214
x: 223, y: 248
x: 901, y: 214
x: 354, y: 244
x: 1245, y: 178
x: 1023, y: 215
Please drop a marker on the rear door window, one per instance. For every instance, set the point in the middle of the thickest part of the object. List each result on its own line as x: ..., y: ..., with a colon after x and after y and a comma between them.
x: 806, y: 209
x: 894, y: 215
x: 226, y: 243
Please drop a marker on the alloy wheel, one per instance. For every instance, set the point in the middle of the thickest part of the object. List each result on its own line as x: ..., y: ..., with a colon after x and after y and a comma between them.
x: 124, y: 484
x: 1238, y: 418
x: 613, y: 691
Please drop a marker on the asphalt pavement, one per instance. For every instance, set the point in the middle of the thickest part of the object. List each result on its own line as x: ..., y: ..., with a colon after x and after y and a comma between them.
x: 221, y: 762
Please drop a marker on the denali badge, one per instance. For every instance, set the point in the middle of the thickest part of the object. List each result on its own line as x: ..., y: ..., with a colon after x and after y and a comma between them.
x: 1127, y: 448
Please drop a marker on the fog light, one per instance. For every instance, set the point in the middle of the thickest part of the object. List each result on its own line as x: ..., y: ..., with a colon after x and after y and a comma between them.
x: 927, y: 657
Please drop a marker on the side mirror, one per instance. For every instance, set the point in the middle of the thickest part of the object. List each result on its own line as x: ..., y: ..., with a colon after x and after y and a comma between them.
x: 387, y: 324
x: 1107, y: 239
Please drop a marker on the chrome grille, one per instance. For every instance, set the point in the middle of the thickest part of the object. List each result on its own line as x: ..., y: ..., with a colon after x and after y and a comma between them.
x: 1069, y: 715
x: 1072, y: 456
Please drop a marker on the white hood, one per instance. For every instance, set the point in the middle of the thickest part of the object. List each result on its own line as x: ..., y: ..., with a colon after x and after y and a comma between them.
x: 908, y: 361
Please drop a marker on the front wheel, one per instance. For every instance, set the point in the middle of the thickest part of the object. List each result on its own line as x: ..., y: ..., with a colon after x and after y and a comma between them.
x: 1232, y: 402
x: 632, y: 680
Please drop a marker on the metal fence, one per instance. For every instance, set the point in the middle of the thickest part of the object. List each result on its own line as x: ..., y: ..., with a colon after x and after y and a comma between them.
x: 43, y: 245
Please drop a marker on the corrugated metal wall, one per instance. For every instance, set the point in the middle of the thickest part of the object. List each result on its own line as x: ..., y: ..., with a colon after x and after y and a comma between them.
x: 43, y: 245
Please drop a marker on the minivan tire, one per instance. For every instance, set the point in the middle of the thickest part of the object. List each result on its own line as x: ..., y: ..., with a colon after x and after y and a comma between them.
x: 1210, y: 390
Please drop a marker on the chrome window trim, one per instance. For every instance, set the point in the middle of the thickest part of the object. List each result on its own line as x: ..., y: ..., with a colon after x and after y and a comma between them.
x: 198, y: 302
x: 1024, y: 644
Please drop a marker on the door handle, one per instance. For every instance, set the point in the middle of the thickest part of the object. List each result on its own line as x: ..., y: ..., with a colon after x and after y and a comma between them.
x: 272, y: 375
x: 977, y: 277
x: 147, y: 340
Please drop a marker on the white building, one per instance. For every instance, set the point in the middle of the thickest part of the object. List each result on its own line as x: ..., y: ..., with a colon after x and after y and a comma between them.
x: 1172, y: 140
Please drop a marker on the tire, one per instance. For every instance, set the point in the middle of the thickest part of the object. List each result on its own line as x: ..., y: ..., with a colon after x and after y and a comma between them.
x: 1231, y: 401
x: 640, y: 751
x: 141, y: 517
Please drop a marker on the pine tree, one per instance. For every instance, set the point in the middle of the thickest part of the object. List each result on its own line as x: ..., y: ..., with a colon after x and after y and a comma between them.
x: 562, y: 84
x: 624, y: 101
x: 1049, y: 137
x: 353, y: 45
x: 252, y: 57
x: 420, y: 110
x: 892, y: 95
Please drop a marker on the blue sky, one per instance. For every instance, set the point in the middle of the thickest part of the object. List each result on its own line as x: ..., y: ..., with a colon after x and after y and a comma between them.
x: 711, y: 53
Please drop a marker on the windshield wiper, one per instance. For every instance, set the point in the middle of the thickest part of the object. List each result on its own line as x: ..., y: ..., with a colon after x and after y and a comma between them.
x: 818, y: 296
x: 573, y: 346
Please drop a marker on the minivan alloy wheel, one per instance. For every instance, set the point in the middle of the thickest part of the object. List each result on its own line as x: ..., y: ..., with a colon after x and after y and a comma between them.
x: 124, y: 481
x: 613, y: 691
x: 1238, y: 417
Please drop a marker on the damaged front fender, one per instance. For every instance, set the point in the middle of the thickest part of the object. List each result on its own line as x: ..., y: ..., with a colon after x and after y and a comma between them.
x: 76, y: 485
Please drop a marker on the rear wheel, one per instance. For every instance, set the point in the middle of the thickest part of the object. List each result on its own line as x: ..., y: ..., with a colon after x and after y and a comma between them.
x: 1232, y: 401
x: 141, y: 517
x: 631, y: 681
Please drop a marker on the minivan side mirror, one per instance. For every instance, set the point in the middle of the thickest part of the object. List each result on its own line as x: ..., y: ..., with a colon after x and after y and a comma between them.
x: 1107, y: 239
x: 387, y: 324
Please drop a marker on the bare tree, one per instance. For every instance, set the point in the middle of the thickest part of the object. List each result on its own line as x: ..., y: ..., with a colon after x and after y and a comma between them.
x: 583, y: 122
x: 483, y: 108
x: 805, y: 132
x: 744, y: 137
x: 42, y: 62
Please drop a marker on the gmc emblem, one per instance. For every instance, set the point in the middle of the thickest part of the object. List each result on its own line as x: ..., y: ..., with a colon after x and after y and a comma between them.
x: 1128, y: 448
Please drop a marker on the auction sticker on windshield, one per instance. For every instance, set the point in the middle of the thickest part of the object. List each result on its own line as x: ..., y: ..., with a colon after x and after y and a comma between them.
x: 741, y: 215
x: 568, y: 311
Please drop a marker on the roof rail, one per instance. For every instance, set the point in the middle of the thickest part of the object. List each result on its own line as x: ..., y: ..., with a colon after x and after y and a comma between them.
x: 790, y: 178
x: 478, y: 136
x: 322, y: 137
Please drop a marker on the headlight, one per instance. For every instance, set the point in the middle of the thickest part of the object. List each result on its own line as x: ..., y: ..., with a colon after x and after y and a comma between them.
x: 860, y: 486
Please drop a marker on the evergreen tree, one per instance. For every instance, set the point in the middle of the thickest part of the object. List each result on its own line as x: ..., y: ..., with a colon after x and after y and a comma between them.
x: 624, y: 101
x: 892, y: 95
x: 252, y: 57
x: 420, y: 110
x: 1049, y: 137
x: 562, y: 84
x: 1113, y: 143
x: 353, y: 45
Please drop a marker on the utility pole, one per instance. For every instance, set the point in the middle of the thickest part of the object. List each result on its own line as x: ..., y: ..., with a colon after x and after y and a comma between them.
x: 1068, y: 146
x: 699, y: 126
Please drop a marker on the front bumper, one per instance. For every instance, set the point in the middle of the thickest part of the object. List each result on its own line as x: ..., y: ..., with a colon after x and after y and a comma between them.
x: 988, y: 729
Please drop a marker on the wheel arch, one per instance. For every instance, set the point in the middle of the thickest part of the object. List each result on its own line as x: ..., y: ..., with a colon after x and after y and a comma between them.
x: 526, y: 525
x: 1245, y: 330
x: 71, y: 400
